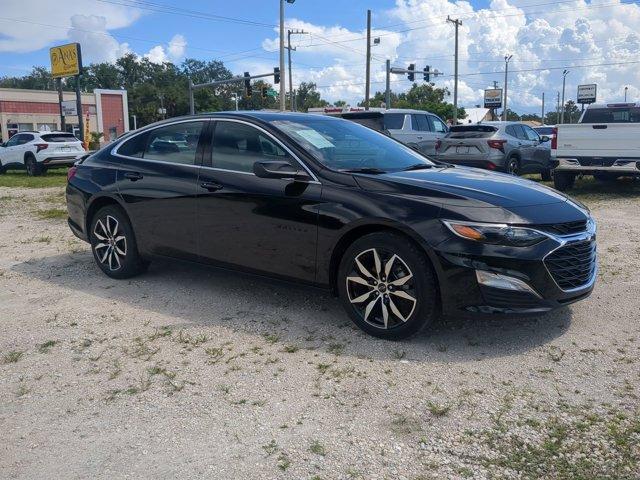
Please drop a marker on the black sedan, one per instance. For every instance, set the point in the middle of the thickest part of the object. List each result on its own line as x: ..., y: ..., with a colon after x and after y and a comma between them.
x: 330, y: 203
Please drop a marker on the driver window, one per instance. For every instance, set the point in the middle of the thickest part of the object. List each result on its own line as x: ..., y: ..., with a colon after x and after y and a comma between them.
x: 531, y: 134
x: 15, y: 140
x: 237, y: 146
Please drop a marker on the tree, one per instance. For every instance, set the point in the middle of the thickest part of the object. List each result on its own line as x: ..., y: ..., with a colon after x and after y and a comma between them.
x: 308, y: 97
x: 339, y: 103
x: 531, y: 117
x: 420, y: 97
x: 571, y: 112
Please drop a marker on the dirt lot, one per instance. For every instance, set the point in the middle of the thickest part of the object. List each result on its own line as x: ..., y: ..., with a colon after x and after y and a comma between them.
x: 187, y: 372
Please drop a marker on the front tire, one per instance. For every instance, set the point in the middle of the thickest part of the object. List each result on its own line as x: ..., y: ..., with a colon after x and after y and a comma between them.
x: 563, y: 181
x: 513, y: 166
x: 387, y: 286
x: 113, y: 244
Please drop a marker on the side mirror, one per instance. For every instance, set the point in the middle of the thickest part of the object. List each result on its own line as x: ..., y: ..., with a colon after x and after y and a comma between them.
x: 544, y: 139
x: 279, y: 169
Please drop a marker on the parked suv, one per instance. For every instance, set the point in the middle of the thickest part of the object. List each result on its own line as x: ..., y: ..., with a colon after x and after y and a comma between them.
x: 416, y: 128
x: 38, y: 151
x: 510, y: 147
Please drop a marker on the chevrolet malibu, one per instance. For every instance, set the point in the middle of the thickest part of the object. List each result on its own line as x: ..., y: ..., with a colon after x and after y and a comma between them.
x: 326, y: 202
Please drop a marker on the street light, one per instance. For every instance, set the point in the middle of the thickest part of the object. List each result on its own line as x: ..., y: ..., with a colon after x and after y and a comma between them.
x: 235, y: 99
x: 506, y: 70
x: 282, y: 84
x: 564, y: 78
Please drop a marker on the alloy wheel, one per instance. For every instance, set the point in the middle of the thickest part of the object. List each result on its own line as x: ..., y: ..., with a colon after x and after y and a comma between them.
x: 111, y: 248
x: 381, y: 288
x: 513, y: 167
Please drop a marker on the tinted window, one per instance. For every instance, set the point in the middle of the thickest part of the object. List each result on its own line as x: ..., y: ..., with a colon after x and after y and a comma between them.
x: 59, y: 137
x: 135, y: 146
x: 516, y: 131
x: 420, y: 123
x: 15, y: 140
x: 371, y: 120
x: 342, y: 145
x: 237, y: 147
x: 471, y: 131
x: 25, y: 138
x: 176, y: 143
x: 393, y: 121
x: 612, y: 115
x: 544, y: 130
x: 530, y: 133
x: 437, y: 124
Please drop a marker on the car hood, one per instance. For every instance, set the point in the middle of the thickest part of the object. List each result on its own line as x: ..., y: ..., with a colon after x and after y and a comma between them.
x: 465, y: 187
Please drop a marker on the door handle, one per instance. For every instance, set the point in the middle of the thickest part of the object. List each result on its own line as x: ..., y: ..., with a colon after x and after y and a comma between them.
x: 133, y: 176
x: 419, y: 138
x: 211, y: 186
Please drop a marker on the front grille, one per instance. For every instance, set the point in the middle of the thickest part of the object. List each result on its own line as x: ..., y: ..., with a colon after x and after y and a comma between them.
x: 572, y: 265
x: 567, y: 228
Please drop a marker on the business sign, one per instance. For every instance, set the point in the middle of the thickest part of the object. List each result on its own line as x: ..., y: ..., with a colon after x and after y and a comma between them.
x: 69, y: 108
x: 587, y: 93
x: 66, y: 60
x: 493, y: 98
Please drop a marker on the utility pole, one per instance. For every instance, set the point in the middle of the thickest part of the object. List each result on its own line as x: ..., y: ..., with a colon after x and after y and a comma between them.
x: 558, y: 109
x: 506, y: 72
x: 387, y: 93
x: 457, y: 23
x: 60, y: 100
x: 368, y: 72
x: 542, y: 117
x: 289, y: 48
x: 625, y: 94
x: 564, y: 78
x: 283, y: 88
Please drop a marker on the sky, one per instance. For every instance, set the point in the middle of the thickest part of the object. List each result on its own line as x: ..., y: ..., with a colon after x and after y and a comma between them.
x: 597, y: 41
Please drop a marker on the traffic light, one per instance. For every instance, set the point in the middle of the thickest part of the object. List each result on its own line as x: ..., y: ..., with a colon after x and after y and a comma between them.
x: 427, y: 76
x: 276, y: 75
x: 411, y: 75
x: 264, y: 92
x: 247, y: 85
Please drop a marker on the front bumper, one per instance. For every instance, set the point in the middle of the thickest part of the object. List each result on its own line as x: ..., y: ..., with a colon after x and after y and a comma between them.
x: 462, y: 264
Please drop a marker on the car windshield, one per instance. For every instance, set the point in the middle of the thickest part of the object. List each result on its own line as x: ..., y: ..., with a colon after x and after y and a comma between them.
x: 344, y: 145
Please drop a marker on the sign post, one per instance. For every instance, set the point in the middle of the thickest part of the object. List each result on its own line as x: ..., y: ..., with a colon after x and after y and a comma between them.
x: 66, y: 61
x: 493, y: 100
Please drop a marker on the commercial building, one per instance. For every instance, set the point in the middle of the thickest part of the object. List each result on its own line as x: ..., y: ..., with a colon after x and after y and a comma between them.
x: 22, y: 110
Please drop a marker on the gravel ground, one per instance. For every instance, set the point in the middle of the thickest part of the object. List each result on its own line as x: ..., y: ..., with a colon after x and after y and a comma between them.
x: 190, y: 372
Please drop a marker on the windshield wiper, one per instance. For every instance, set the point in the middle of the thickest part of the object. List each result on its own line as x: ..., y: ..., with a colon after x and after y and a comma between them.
x: 417, y: 166
x: 371, y: 170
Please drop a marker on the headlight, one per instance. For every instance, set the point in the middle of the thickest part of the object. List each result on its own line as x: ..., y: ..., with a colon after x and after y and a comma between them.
x: 496, y: 234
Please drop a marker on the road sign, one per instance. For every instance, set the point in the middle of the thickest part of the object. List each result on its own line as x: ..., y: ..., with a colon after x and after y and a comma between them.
x: 69, y: 107
x: 493, y: 98
x: 66, y: 60
x: 587, y: 93
x: 272, y: 93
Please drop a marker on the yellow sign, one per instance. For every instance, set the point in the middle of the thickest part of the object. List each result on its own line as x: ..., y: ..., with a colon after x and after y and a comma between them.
x: 66, y: 60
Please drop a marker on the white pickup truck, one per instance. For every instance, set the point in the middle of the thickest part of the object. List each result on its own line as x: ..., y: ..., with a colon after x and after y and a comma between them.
x: 604, y: 143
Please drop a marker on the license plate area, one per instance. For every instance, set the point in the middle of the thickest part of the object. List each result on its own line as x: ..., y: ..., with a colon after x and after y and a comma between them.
x: 463, y: 149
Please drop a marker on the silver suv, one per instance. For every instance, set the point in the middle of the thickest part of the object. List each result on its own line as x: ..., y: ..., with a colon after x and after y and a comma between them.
x: 511, y: 147
x: 416, y: 128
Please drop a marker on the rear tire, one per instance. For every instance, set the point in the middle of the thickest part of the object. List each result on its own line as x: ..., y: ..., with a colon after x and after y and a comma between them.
x: 513, y: 166
x: 546, y: 175
x: 113, y: 244
x: 563, y: 181
x: 3, y: 170
x: 34, y: 169
x: 387, y: 286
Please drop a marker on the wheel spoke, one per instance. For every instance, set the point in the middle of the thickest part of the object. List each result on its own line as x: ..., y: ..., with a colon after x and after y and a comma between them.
x: 361, y: 298
x: 370, y: 306
x: 395, y: 311
x: 116, y: 257
x: 104, y: 231
x: 106, y: 254
x: 389, y: 264
x: 385, y: 314
x: 403, y: 294
x: 363, y: 270
x: 101, y: 245
x: 376, y: 260
x: 401, y: 281
x: 359, y: 280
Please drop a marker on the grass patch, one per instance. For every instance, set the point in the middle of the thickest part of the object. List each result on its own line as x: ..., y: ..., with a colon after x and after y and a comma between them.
x: 438, y: 410
x: 20, y: 179
x: 588, y: 189
x: 52, y: 214
x: 317, y: 448
x: 46, y: 346
x: 12, y: 356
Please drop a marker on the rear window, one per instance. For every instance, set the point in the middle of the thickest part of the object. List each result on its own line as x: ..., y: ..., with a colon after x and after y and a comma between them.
x: 471, y: 131
x: 393, y: 121
x: 371, y: 120
x: 544, y: 130
x: 59, y: 137
x: 612, y: 115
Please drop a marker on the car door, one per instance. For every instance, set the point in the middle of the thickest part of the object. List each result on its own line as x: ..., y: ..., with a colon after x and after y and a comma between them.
x: 260, y: 224
x: 10, y: 152
x: 424, y: 137
x: 525, y: 146
x: 540, y: 152
x: 438, y: 128
x: 157, y: 180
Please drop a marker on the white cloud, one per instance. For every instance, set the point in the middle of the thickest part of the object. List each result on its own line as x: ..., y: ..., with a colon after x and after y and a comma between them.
x: 97, y: 45
x: 543, y: 40
x: 173, y: 52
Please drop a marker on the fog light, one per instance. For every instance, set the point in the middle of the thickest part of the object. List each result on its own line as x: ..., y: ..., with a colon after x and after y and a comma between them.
x: 503, y: 282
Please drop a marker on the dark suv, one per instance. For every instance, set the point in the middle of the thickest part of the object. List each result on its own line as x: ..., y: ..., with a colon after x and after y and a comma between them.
x: 330, y: 203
